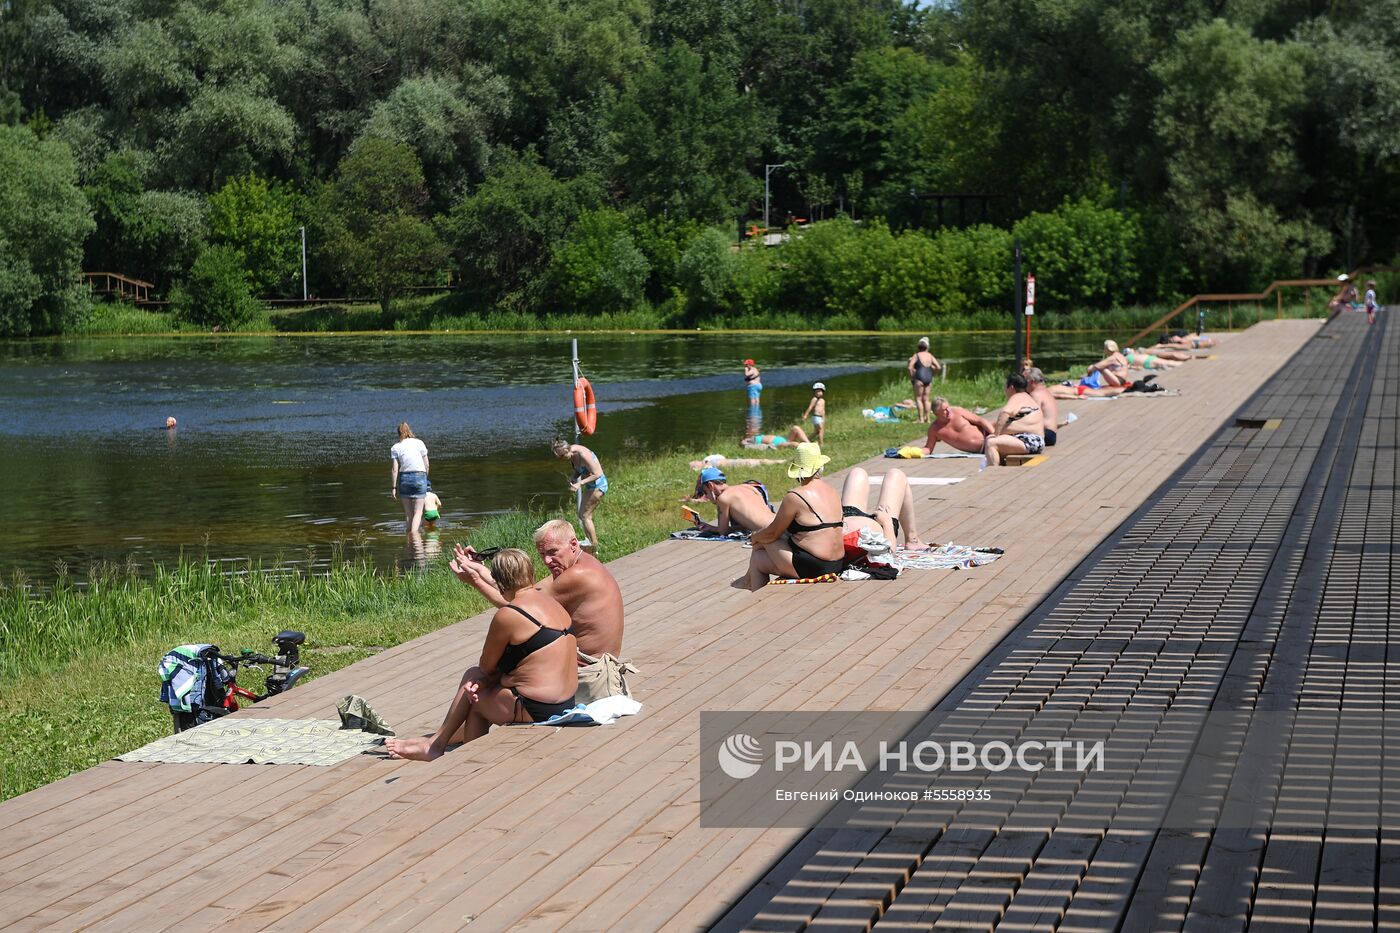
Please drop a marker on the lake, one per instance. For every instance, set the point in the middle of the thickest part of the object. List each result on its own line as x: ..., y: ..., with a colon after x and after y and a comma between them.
x: 283, y: 442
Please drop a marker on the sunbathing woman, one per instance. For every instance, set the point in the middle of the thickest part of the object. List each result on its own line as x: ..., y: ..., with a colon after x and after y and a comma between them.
x: 1113, y: 367
x: 1148, y: 360
x: 804, y: 538
x: 893, y: 514
x: 1190, y: 341
x: 528, y: 670
x: 794, y: 437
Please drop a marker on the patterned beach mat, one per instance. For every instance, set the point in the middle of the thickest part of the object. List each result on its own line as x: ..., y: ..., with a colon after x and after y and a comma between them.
x: 947, y: 557
x: 259, y: 741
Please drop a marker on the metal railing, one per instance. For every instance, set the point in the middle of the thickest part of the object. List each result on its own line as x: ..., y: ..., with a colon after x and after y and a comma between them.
x: 123, y: 286
x: 1275, y: 288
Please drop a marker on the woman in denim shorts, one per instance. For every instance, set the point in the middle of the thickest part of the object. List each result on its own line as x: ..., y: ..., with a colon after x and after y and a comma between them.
x: 409, y: 479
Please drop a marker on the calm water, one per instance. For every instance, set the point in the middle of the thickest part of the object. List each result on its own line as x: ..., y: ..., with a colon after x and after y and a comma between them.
x: 283, y: 443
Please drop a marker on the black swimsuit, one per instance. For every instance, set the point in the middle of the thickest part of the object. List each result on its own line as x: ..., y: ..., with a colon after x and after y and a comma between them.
x: 805, y: 563
x: 848, y: 511
x: 924, y: 374
x: 514, y: 654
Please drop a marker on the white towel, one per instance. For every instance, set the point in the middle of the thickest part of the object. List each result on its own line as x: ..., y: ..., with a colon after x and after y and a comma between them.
x: 598, y: 713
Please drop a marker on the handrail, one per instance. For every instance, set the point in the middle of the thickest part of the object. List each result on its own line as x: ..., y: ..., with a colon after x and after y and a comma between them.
x: 1260, y: 296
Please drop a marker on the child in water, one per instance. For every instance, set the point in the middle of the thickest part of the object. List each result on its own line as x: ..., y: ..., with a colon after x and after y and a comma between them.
x: 432, y: 509
x: 816, y: 408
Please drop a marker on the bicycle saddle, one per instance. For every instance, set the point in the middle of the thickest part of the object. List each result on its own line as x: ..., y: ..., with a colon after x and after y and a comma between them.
x: 295, y: 638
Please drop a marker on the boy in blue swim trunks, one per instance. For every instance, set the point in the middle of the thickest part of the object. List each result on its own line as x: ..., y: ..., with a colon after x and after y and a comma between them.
x: 816, y: 410
x: 589, y: 482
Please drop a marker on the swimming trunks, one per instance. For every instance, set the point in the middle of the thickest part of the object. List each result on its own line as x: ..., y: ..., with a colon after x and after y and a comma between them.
x: 1034, y: 442
x: 514, y: 654
x: 538, y: 710
x: 1051, y: 437
x: 600, y: 484
x: 430, y: 515
x: 817, y: 420
x: 754, y: 389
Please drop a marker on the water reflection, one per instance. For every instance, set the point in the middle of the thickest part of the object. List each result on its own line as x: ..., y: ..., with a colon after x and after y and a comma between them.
x: 280, y: 440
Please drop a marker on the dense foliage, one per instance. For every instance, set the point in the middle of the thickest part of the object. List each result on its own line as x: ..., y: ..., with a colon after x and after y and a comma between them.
x: 598, y: 156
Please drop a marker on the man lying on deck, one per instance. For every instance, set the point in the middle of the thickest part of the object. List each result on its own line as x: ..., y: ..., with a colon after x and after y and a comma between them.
x: 742, y: 507
x: 527, y: 671
x: 1181, y: 338
x: 1020, y: 428
x: 957, y: 427
x: 578, y: 580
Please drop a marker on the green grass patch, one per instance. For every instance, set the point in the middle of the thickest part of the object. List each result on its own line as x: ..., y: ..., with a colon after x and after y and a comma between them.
x: 77, y: 660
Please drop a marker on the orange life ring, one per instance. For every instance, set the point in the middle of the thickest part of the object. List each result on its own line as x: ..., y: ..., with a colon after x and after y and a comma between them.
x: 585, y: 410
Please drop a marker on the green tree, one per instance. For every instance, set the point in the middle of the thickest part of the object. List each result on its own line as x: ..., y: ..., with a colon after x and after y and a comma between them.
x: 686, y: 139
x: 1228, y: 122
x: 706, y: 272
x: 375, y: 229
x: 599, y: 268
x: 218, y: 290
x: 258, y: 219
x: 43, y: 221
x: 504, y: 232
x: 150, y: 235
x: 1081, y: 253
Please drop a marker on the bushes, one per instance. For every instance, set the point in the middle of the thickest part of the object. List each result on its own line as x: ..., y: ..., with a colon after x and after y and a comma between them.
x: 218, y: 291
x: 1081, y: 253
x: 599, y: 268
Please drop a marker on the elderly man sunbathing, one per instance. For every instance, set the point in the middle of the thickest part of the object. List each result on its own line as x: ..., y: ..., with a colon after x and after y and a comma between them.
x: 742, y: 507
x: 527, y: 671
x: 1020, y: 428
x: 957, y: 427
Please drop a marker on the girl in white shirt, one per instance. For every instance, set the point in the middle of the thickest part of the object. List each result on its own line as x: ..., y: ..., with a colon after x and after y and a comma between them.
x: 409, y: 477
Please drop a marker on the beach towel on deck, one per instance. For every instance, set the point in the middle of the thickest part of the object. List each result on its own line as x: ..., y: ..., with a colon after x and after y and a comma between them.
x: 692, y: 534
x: 824, y: 578
x: 947, y: 557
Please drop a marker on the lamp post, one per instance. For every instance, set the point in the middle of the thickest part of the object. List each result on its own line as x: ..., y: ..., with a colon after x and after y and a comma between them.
x: 768, y: 170
x: 303, y: 263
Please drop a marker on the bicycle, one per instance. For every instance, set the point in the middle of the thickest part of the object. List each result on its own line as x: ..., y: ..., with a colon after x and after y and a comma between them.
x: 188, y: 668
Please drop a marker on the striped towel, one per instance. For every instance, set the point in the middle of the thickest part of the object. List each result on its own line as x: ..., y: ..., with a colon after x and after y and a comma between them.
x: 824, y: 578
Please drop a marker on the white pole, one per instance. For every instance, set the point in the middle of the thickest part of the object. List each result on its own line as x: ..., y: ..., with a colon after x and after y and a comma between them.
x: 303, y: 263
x: 577, y: 431
x: 766, y: 173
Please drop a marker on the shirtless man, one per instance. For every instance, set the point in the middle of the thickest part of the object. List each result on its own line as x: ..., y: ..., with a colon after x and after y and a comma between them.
x: 1035, y: 386
x: 739, y: 507
x: 957, y: 427
x: 578, y: 581
x: 1020, y: 428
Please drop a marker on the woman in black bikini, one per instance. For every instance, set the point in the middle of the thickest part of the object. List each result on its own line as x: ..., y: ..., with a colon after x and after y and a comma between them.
x: 804, y: 538
x: 528, y: 670
x: 892, y: 516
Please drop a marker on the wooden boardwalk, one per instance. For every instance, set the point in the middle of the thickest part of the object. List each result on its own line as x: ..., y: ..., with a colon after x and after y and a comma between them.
x: 599, y: 828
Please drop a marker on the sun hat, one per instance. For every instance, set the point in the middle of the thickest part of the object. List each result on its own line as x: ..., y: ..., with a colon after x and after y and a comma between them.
x: 819, y: 385
x: 807, y: 459
x: 711, y: 475
x: 923, y: 341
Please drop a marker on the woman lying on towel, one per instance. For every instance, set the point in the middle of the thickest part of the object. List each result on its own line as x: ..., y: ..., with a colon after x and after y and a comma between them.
x: 893, y: 514
x: 528, y: 670
x: 804, y: 538
x: 795, y: 436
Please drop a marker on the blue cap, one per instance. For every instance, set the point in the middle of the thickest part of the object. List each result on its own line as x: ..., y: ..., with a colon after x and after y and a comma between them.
x: 711, y: 475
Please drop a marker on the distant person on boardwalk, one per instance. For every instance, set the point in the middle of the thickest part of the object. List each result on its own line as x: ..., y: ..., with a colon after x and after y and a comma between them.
x: 1020, y: 428
x: 577, y: 579
x: 804, y: 538
x: 753, y: 382
x: 1035, y: 386
x: 528, y: 669
x: 816, y: 409
x: 957, y: 427
x: 588, y: 481
x: 1370, y: 301
x: 408, y: 479
x: 922, y: 366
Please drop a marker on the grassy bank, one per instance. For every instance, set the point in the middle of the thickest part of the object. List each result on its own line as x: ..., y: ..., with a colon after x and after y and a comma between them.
x: 77, y: 662
x: 443, y: 313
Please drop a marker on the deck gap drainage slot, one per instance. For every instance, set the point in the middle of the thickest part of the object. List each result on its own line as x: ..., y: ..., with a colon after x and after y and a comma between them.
x: 1259, y: 424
